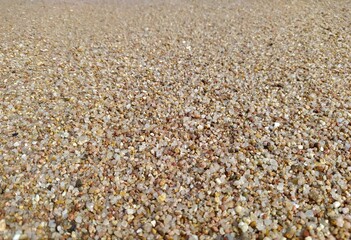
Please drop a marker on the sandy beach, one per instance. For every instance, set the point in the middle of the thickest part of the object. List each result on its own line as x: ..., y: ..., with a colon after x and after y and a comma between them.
x: 175, y: 119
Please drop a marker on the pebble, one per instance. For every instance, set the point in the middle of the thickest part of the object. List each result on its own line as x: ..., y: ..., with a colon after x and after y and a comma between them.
x: 2, y: 225
x: 243, y: 226
x: 90, y: 206
x: 162, y: 197
x: 280, y: 187
x: 276, y: 125
x: 193, y: 237
x: 290, y: 233
x: 336, y: 204
x: 78, y: 219
x: 340, y: 221
x: 200, y: 127
x: 153, y: 223
x: 17, y: 236
x: 130, y: 211
x: 79, y: 183
x: 229, y: 236
x: 239, y: 210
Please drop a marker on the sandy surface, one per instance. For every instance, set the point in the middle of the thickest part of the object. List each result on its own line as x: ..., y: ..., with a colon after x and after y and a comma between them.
x: 175, y: 119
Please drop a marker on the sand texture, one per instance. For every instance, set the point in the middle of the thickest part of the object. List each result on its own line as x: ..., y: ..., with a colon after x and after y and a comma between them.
x: 175, y: 119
